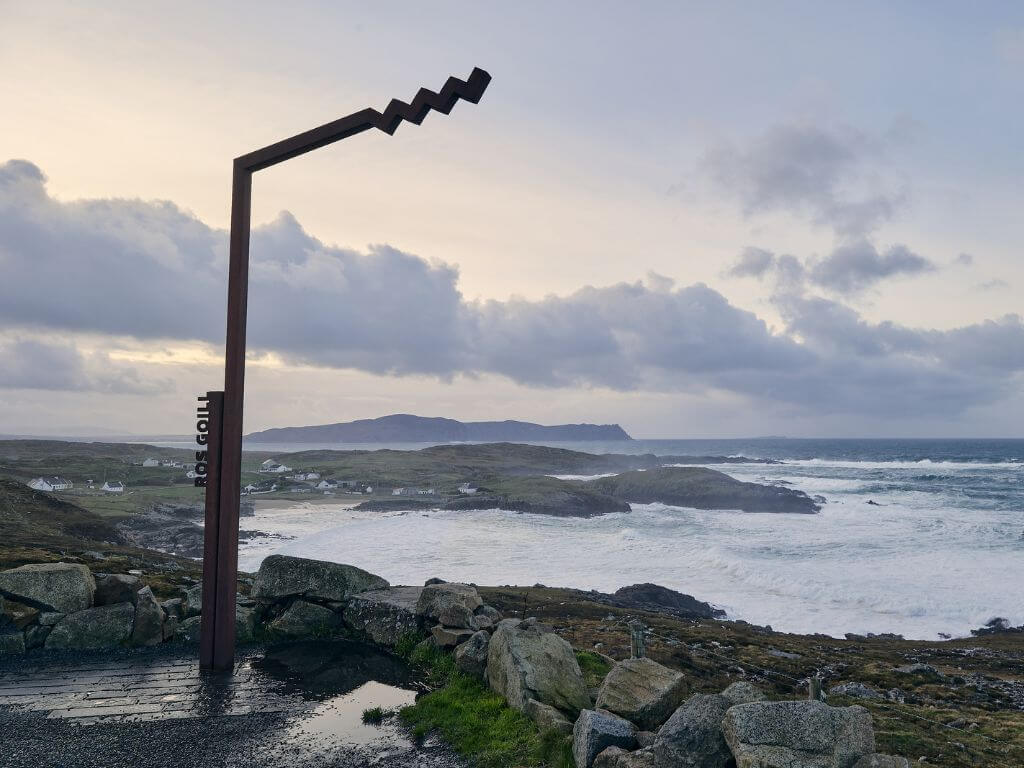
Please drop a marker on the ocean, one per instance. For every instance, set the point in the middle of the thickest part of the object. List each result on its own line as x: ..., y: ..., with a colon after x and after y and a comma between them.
x: 938, y: 551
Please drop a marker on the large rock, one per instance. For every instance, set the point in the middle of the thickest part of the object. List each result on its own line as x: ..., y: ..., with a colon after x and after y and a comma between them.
x: 188, y: 631
x: 117, y: 588
x: 692, y: 737
x: 471, y: 656
x: 303, y: 619
x: 15, y: 614
x: 547, y: 718
x: 595, y: 731
x: 12, y: 640
x: 193, y: 605
x: 855, y: 690
x: 64, y: 587
x: 524, y: 662
x: 35, y: 636
x: 451, y: 604
x: 742, y: 692
x: 878, y: 760
x: 781, y: 734
x: 103, y: 627
x: 384, y: 615
x: 148, y: 626
x: 450, y: 637
x: 245, y: 625
x: 282, y: 576
x: 655, y: 597
x: 642, y: 691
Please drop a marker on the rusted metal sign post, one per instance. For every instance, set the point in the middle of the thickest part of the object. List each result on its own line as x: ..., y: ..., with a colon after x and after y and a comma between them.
x: 224, y: 443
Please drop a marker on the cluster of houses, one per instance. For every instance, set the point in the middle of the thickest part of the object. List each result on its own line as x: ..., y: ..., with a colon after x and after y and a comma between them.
x: 302, y: 481
x: 62, y: 484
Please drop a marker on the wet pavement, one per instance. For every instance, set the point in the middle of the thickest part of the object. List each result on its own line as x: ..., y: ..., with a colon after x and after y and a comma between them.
x: 298, y: 704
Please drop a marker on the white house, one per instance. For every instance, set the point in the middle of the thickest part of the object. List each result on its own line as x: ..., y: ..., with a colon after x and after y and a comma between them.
x: 467, y: 489
x: 150, y: 463
x: 115, y: 486
x: 50, y: 484
x: 326, y: 485
x: 398, y: 491
x: 272, y: 467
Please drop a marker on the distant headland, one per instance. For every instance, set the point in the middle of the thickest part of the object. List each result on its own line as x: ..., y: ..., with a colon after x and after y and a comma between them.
x: 406, y: 428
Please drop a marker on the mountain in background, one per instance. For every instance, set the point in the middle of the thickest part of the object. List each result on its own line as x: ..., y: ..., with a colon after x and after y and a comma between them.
x: 405, y: 428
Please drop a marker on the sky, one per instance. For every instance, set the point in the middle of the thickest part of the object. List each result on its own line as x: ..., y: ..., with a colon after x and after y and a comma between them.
x: 691, y: 219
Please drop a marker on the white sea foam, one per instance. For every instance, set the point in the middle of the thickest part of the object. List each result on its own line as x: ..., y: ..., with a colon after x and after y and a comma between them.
x: 853, y: 568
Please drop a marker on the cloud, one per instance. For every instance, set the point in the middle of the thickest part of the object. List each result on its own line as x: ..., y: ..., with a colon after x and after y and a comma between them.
x: 855, y: 266
x: 992, y: 285
x: 33, y: 364
x: 964, y: 259
x: 829, y: 175
x: 848, y: 269
x: 752, y: 262
x: 152, y: 271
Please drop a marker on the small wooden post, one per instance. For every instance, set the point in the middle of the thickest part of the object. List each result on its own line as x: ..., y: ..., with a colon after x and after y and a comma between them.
x: 636, y: 639
x: 814, y: 689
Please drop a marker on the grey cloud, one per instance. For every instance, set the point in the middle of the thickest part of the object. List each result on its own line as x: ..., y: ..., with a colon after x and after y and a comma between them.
x: 34, y: 364
x: 850, y: 267
x: 152, y: 271
x: 855, y: 266
x: 964, y: 259
x: 752, y: 262
x: 992, y: 285
x: 829, y: 175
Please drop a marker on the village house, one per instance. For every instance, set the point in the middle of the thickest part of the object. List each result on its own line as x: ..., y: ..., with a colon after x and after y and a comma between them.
x: 150, y: 463
x: 115, y: 486
x: 467, y: 488
x: 50, y: 484
x: 270, y: 466
x: 326, y: 485
x: 266, y: 486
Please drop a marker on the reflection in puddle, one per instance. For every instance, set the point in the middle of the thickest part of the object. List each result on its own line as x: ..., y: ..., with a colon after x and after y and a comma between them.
x: 340, y: 680
x: 341, y: 718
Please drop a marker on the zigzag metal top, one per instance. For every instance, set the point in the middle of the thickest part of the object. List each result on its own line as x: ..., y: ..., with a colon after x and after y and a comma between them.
x: 454, y: 89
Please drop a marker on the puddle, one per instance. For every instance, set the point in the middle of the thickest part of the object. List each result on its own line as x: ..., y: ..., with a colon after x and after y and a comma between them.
x: 341, y: 718
x: 340, y: 680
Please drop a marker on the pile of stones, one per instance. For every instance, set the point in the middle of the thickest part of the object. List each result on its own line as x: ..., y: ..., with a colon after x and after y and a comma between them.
x: 61, y: 606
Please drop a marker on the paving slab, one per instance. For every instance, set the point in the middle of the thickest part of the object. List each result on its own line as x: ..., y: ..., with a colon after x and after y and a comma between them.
x: 293, y: 705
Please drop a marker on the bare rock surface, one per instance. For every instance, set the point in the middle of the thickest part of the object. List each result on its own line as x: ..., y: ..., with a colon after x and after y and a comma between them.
x: 283, y: 576
x: 63, y: 587
x: 148, y: 625
x: 742, y: 692
x: 692, y: 736
x: 642, y: 691
x: 548, y: 718
x: 526, y: 662
x: 781, y: 734
x: 595, y: 731
x: 448, y: 600
x: 93, y: 628
x: 117, y: 588
x: 471, y: 656
x: 304, y: 619
x: 384, y: 615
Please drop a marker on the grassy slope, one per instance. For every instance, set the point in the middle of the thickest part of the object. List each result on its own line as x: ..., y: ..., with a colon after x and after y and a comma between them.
x: 37, y: 527
x: 477, y: 722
